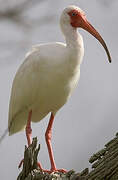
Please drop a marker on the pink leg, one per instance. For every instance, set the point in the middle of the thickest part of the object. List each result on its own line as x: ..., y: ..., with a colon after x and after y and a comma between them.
x: 28, y: 129
x: 48, y: 136
x: 28, y: 132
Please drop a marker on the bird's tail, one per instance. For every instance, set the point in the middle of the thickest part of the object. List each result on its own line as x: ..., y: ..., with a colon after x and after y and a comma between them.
x: 3, y: 135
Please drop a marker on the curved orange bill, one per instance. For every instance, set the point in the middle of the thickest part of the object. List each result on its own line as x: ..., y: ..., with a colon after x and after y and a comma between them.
x: 88, y: 27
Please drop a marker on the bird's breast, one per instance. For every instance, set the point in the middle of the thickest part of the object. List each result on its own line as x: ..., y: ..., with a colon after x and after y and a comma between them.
x: 61, y: 81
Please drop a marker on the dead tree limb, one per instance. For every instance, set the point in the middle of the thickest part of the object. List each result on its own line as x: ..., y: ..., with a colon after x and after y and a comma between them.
x: 31, y: 171
x: 104, y: 165
x: 105, y: 162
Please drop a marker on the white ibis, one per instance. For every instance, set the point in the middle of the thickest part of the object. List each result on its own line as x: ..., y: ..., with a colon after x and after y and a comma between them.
x: 48, y: 76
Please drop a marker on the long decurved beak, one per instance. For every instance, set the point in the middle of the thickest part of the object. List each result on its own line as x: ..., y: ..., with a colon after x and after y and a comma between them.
x: 88, y: 27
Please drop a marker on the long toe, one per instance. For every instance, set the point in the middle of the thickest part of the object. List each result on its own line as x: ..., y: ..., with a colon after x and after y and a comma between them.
x: 54, y: 170
x: 61, y: 170
x: 58, y: 170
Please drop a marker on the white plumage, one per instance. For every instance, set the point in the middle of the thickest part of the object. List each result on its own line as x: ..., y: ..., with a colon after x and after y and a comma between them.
x: 49, y: 74
x: 43, y: 83
x: 47, y: 78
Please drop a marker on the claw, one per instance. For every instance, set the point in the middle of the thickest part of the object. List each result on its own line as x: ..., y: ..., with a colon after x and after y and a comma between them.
x: 51, y: 170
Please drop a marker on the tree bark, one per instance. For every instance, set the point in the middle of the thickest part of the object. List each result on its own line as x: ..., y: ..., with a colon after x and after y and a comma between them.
x: 104, y: 165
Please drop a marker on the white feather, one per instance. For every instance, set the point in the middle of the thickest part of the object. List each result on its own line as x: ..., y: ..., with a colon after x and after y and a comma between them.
x: 46, y: 79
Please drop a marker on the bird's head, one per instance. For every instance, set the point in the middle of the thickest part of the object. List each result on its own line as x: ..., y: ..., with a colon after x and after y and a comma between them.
x: 74, y: 17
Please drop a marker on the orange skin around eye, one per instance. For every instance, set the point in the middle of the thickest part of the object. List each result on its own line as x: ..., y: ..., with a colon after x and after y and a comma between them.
x: 76, y: 20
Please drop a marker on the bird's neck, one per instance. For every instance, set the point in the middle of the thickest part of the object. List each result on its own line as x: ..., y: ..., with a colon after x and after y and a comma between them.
x: 74, y: 42
x: 74, y: 39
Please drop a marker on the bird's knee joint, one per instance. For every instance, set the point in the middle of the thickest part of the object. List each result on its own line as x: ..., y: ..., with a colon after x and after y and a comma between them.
x: 28, y: 129
x: 48, y: 135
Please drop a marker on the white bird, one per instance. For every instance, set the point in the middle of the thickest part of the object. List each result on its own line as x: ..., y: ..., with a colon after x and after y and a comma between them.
x: 48, y: 76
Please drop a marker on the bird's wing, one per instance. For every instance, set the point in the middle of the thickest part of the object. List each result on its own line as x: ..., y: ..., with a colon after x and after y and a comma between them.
x: 23, y: 92
x: 32, y: 78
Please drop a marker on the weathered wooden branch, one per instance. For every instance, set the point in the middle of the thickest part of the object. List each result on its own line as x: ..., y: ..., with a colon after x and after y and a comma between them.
x: 105, y: 162
x: 104, y: 165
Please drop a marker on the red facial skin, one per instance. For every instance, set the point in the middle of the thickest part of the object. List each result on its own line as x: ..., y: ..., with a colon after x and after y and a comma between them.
x: 78, y: 20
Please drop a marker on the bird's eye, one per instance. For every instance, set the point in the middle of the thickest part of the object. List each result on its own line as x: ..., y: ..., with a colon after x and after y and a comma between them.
x: 74, y: 14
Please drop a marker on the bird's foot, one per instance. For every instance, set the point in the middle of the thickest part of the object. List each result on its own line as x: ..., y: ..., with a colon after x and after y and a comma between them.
x: 52, y: 170
x: 45, y: 170
x: 56, y: 170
